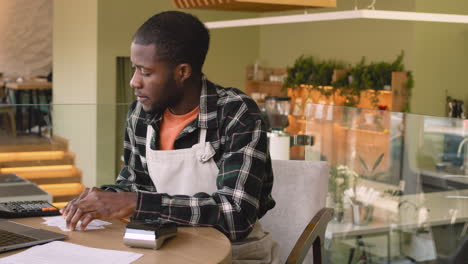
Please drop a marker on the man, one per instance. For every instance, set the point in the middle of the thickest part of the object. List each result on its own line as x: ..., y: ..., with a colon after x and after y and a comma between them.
x: 195, y: 153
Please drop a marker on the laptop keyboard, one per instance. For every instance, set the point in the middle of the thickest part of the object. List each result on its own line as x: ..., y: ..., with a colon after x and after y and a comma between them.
x: 9, y: 238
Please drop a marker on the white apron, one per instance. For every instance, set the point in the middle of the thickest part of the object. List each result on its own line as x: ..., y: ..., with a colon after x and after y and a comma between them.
x: 193, y: 170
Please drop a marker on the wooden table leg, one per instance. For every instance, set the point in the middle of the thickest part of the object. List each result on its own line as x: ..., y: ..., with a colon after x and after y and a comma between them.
x: 19, y: 112
x: 48, y: 95
x: 31, y: 104
x: 38, y: 112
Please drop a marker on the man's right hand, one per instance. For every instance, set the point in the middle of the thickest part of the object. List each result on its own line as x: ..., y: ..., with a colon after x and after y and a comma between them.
x: 71, y: 207
x: 98, y: 204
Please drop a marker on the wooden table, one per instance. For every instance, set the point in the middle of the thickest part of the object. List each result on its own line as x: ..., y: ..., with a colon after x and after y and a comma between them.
x: 34, y: 89
x: 191, y: 245
x: 29, y: 85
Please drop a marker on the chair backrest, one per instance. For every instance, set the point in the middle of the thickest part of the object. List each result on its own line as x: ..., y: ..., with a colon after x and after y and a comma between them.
x: 299, y: 189
x: 2, y: 94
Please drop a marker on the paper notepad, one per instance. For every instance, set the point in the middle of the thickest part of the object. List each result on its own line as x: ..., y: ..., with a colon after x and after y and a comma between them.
x: 63, y: 252
x: 61, y: 223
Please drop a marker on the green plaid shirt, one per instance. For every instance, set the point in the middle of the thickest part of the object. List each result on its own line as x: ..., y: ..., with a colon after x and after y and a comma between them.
x: 237, y: 132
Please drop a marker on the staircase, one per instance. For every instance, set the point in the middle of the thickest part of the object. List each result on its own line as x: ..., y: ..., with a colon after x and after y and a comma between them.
x: 48, y: 164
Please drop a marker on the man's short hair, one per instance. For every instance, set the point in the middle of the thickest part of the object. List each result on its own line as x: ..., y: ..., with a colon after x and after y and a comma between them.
x: 179, y: 38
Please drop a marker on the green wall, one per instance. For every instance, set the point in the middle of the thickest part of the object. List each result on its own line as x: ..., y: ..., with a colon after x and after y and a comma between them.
x: 441, y: 58
x: 230, y: 51
x: 75, y: 77
x: 437, y: 53
x: 345, y: 40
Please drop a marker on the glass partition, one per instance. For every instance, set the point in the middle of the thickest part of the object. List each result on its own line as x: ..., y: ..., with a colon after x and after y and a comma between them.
x: 398, y: 182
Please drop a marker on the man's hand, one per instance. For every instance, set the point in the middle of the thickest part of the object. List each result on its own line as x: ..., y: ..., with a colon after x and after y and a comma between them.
x: 98, y: 204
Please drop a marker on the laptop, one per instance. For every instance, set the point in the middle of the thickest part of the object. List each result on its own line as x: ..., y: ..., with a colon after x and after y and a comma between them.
x: 15, y: 189
x: 14, y: 236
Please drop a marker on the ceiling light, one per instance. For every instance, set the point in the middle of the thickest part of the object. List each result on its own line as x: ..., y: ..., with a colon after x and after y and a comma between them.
x: 340, y: 15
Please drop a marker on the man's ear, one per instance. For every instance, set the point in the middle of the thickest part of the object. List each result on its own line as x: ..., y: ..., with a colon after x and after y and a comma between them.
x: 183, y: 72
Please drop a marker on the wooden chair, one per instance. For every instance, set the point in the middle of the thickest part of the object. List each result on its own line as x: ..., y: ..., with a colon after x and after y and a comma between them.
x: 299, y: 219
x: 8, y: 111
x: 312, y: 237
x: 9, y: 114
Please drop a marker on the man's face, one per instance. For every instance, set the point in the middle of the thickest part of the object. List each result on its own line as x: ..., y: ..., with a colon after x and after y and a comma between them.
x: 153, y: 79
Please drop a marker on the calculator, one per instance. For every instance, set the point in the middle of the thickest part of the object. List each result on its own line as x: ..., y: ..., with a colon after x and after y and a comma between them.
x: 27, y: 209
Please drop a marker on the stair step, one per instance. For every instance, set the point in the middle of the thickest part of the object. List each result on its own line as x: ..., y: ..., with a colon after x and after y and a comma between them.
x: 37, y: 158
x: 23, y: 148
x: 47, y: 174
x: 63, y: 192
x: 32, y: 143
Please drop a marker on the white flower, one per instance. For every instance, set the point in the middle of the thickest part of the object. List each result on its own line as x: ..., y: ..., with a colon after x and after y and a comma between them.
x: 342, y: 168
x: 339, y: 181
x: 349, y: 193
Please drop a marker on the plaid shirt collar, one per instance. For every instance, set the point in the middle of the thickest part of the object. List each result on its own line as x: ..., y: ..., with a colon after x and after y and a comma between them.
x: 207, y: 117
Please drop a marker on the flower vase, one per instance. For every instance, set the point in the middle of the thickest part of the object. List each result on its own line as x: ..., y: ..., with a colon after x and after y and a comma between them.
x: 362, y: 214
x: 338, y: 210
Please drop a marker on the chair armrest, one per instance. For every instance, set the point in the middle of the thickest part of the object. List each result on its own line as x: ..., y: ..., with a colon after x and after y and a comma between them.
x: 313, y: 234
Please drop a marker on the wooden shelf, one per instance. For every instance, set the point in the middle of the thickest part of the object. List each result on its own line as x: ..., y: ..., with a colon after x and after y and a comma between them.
x: 360, y: 130
x: 254, y: 5
x: 265, y: 83
x: 266, y: 87
x: 395, y: 100
x: 29, y: 85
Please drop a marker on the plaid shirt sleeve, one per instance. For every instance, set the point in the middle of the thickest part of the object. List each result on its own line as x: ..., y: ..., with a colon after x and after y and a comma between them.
x: 133, y: 175
x: 233, y: 209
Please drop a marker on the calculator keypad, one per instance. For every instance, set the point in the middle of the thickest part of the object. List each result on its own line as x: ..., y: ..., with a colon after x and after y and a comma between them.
x: 27, y: 209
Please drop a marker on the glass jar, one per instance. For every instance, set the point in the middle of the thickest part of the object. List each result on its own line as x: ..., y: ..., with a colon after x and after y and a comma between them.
x: 278, y: 108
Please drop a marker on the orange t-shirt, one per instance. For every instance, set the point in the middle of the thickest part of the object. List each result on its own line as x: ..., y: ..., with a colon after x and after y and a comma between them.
x: 172, y: 125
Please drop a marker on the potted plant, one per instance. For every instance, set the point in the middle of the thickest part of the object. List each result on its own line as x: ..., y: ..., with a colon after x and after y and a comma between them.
x: 300, y: 73
x: 311, y: 74
x: 362, y: 77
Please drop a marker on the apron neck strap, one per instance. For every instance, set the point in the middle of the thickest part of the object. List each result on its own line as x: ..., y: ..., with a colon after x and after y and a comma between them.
x: 202, y: 138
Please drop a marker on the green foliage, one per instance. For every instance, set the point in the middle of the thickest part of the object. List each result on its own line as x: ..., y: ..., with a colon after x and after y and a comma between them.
x: 370, y: 172
x: 300, y: 73
x: 373, y: 76
x: 380, y: 74
x: 323, y: 74
x: 310, y: 71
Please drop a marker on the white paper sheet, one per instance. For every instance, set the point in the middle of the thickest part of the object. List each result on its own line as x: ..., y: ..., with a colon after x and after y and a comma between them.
x: 61, y: 223
x: 63, y: 252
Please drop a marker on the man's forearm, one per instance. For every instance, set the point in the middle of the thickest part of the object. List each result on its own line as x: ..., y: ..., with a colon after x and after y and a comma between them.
x: 216, y: 211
